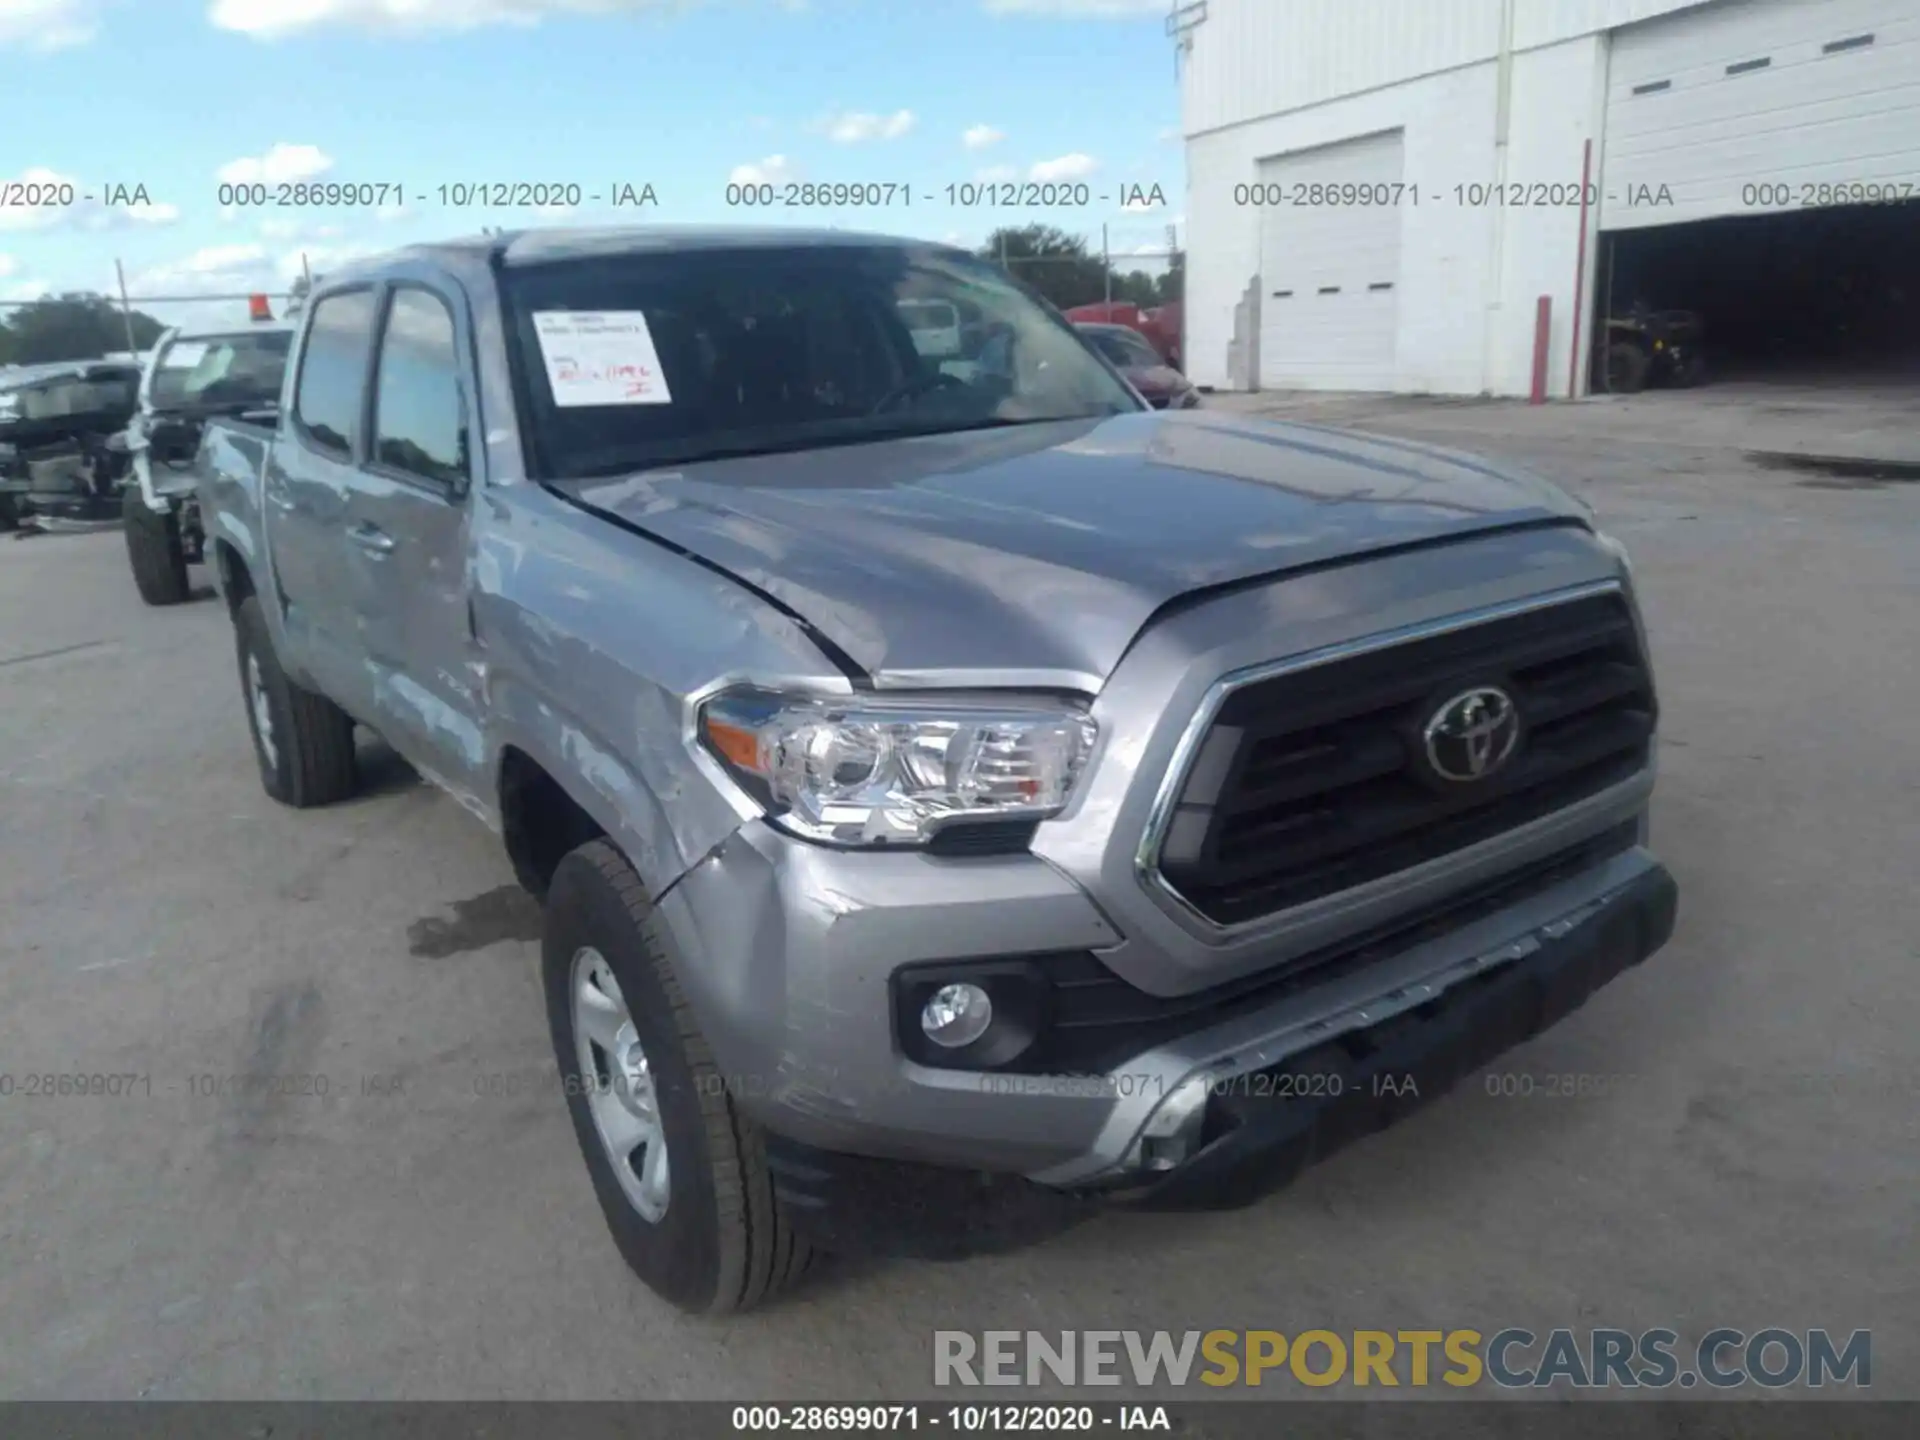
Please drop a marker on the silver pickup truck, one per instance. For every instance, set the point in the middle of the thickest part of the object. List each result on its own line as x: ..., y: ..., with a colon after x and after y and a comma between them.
x: 961, y: 795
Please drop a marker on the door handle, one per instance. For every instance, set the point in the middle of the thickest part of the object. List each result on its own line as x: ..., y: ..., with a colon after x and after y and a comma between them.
x: 371, y: 537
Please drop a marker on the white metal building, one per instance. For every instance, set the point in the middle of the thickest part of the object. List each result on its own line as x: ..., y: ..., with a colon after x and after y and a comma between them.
x: 1454, y: 135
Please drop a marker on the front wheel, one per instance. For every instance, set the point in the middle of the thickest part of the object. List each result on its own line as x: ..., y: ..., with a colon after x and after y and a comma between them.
x: 1627, y: 366
x: 303, y: 741
x: 154, y: 547
x: 681, y: 1175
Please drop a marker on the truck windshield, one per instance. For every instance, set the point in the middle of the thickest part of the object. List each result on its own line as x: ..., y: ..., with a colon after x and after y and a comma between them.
x: 637, y: 360
x: 243, y: 368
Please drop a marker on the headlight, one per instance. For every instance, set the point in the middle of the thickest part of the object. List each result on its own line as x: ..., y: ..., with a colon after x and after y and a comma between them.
x: 881, y: 772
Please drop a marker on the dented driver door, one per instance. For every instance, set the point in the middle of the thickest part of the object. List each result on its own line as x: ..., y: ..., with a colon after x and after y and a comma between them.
x: 409, y: 535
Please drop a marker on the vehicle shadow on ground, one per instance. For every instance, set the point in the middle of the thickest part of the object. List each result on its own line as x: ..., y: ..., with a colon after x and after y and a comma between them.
x: 382, y: 771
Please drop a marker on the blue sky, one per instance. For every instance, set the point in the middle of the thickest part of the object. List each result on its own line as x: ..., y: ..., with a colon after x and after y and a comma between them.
x: 685, y: 95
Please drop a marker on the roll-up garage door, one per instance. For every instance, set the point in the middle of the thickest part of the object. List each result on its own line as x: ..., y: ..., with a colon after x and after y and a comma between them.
x: 1762, y: 105
x: 1329, y: 269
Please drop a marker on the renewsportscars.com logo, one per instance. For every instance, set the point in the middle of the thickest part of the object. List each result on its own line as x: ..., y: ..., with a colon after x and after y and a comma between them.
x: 1510, y: 1359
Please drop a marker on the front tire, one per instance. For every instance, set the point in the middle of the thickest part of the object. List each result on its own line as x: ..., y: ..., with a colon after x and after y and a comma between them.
x: 680, y: 1173
x: 1626, y: 368
x: 303, y: 741
x: 153, y: 546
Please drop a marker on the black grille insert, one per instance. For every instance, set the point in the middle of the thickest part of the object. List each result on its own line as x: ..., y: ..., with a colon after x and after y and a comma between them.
x: 1096, y: 1020
x: 1312, y: 781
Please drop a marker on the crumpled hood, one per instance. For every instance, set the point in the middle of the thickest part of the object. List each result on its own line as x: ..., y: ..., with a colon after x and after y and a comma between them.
x: 1035, y: 555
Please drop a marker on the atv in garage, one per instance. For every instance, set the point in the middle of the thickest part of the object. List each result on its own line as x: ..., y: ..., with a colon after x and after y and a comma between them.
x: 1652, y: 347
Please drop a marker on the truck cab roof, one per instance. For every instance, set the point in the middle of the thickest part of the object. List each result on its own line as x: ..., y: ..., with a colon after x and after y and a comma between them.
x: 515, y: 248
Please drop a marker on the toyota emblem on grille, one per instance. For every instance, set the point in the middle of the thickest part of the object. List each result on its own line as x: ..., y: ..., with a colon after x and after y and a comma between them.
x: 1472, y: 735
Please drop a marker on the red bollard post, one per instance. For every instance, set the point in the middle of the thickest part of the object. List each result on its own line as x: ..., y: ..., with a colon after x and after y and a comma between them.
x: 1542, y: 329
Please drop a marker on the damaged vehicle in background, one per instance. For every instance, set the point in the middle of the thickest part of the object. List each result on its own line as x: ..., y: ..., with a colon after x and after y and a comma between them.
x: 958, y: 803
x: 62, y: 455
x: 191, y: 376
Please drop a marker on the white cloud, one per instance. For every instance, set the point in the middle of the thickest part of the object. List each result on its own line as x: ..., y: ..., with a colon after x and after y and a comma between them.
x: 774, y: 170
x: 1169, y: 135
x: 48, y: 24
x: 83, y: 213
x: 7, y: 265
x: 282, y: 165
x: 1065, y: 167
x: 31, y: 289
x: 387, y: 214
x: 274, y: 19
x: 853, y: 127
x: 978, y: 137
x: 994, y: 174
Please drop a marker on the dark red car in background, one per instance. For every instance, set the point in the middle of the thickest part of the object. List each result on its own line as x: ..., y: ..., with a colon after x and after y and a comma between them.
x: 1165, y: 387
x: 1160, y: 325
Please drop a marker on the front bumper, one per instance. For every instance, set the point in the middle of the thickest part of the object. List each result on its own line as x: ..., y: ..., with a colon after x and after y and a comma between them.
x: 1319, y: 1102
x: 787, y: 950
x: 1263, y: 1126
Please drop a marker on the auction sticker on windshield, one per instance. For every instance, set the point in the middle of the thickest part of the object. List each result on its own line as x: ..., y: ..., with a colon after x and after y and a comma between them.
x: 600, y: 357
x: 186, y: 353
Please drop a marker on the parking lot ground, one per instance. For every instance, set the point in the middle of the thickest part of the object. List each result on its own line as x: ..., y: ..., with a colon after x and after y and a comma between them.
x: 1867, y: 419
x: 1744, y: 1155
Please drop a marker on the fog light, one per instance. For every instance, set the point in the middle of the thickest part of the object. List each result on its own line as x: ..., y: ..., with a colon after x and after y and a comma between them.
x: 957, y: 1015
x: 1172, y: 1131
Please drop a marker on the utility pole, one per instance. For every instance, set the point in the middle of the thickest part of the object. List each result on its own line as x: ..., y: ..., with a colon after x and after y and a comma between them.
x: 126, y: 309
